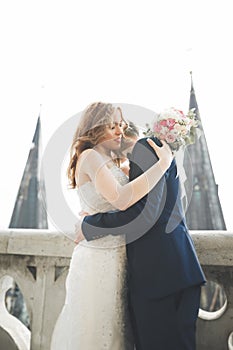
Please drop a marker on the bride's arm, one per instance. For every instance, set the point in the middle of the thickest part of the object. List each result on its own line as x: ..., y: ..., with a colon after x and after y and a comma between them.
x: 123, y: 197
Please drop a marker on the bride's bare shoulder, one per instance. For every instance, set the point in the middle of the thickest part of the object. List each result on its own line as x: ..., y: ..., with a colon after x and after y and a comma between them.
x: 90, y: 161
x: 85, y: 161
x: 90, y: 155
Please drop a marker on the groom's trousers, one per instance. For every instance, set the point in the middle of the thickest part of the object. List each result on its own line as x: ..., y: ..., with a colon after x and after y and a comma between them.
x: 168, y: 323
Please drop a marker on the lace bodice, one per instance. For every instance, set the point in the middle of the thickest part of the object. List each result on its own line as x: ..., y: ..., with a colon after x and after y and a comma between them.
x: 93, y: 202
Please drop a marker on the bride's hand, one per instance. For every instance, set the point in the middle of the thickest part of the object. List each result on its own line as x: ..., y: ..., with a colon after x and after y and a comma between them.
x: 163, y: 152
x: 83, y: 214
x: 78, y: 231
x: 79, y: 237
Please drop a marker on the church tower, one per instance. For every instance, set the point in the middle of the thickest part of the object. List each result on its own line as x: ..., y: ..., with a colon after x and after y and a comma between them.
x: 204, y: 210
x: 29, y: 209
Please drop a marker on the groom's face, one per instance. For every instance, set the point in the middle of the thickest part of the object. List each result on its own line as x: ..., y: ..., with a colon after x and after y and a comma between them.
x: 113, y: 132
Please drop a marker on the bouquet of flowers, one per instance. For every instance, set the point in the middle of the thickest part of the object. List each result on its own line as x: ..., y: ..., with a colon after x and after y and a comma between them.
x: 174, y: 127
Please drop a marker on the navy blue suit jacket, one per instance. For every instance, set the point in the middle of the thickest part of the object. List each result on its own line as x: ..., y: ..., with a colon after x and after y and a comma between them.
x: 161, y: 255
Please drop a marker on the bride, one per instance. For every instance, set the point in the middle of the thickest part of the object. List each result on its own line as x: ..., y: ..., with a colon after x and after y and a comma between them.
x: 95, y: 313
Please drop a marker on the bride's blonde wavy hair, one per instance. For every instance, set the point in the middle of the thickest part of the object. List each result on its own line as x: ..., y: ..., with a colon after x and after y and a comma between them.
x: 91, y: 128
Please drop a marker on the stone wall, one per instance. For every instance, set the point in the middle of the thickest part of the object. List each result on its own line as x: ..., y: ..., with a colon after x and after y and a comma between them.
x: 38, y: 261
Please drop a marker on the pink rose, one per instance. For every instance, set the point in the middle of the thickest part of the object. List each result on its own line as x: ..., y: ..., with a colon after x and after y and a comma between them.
x: 170, y: 123
x: 170, y: 138
x: 163, y: 122
x: 157, y: 127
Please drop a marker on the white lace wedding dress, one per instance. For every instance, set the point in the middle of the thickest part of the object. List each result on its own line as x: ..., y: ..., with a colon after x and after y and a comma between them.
x: 95, y: 315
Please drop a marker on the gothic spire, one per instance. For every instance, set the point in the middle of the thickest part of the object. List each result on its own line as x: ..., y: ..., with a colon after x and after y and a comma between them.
x: 204, y: 211
x: 29, y: 209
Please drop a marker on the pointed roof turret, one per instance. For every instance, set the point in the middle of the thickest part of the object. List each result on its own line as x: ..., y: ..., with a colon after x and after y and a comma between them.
x: 204, y: 211
x: 29, y: 209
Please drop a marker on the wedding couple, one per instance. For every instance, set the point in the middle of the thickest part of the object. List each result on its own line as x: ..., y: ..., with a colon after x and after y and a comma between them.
x: 134, y: 281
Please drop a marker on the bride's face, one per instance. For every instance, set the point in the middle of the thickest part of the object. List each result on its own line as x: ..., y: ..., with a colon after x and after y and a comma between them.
x: 113, y: 132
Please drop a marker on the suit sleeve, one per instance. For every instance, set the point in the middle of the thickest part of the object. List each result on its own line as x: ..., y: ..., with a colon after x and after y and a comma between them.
x: 139, y: 218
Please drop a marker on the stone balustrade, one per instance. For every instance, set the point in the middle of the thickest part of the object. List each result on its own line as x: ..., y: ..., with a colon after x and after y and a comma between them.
x: 38, y: 261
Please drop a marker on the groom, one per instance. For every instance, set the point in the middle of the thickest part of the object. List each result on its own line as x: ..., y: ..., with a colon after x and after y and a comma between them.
x: 164, y: 274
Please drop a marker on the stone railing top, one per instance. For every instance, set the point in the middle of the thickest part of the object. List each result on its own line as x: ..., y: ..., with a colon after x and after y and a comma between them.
x: 213, y: 247
x: 35, y: 242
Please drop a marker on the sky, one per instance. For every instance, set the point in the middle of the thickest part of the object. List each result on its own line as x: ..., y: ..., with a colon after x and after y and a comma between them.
x: 59, y: 56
